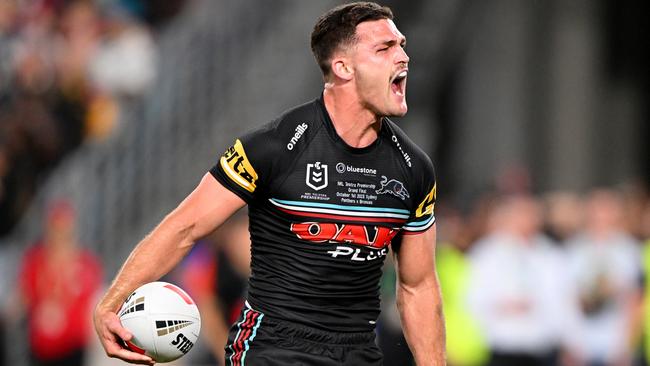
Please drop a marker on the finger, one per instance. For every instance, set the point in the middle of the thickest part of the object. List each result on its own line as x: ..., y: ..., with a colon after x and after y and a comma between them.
x: 133, y: 357
x: 113, y: 349
x: 112, y: 332
x: 115, y: 326
x: 127, y: 356
x: 113, y: 344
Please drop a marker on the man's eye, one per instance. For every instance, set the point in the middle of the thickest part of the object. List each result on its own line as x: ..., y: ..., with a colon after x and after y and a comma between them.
x: 382, y: 49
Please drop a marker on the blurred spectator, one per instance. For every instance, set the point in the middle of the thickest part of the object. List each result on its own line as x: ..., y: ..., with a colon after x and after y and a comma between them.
x: 563, y: 215
x: 79, y: 34
x: 518, y: 289
x: 215, y: 273
x: 645, y: 309
x: 7, y: 26
x: 124, y: 64
x: 58, y: 281
x: 65, y: 66
x: 123, y: 67
x: 635, y: 199
x: 466, y: 344
x: 605, y: 261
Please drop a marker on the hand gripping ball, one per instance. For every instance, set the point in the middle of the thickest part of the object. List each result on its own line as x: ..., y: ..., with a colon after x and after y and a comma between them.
x: 163, y: 319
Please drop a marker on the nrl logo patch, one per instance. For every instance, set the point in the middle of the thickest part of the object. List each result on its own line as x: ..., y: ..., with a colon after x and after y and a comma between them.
x: 316, y: 176
x: 392, y: 186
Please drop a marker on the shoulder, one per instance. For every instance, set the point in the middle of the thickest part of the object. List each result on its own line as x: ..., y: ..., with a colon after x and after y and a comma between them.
x: 418, y: 171
x: 413, y: 156
x: 286, y: 131
x: 415, y: 163
x: 261, y: 156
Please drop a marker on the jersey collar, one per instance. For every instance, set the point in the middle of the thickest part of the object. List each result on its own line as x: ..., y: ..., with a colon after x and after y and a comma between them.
x: 331, y: 131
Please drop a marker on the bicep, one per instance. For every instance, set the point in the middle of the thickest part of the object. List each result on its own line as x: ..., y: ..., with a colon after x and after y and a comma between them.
x: 207, y: 207
x: 415, y: 259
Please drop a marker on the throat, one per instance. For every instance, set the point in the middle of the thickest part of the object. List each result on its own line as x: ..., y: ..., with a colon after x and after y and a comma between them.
x: 355, y: 124
x: 358, y: 134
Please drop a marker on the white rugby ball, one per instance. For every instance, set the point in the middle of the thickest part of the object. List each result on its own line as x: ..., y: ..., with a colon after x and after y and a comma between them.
x: 163, y: 319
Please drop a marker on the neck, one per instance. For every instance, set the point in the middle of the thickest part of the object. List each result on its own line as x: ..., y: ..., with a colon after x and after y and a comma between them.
x: 353, y: 122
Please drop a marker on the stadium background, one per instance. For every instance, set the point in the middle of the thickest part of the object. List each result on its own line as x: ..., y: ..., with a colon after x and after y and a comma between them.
x: 538, y: 96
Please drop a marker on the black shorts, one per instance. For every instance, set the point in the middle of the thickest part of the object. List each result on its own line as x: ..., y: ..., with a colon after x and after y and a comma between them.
x: 257, y: 340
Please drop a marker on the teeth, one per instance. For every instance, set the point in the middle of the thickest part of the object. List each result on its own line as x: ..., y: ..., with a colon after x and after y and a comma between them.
x: 397, y: 82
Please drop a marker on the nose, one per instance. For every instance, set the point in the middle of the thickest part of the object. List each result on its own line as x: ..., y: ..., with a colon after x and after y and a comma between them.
x: 402, y: 57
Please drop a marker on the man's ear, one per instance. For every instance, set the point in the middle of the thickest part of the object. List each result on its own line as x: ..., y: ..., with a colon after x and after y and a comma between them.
x: 342, y: 68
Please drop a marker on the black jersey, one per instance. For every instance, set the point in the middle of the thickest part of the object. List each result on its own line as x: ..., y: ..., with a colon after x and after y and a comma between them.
x: 322, y: 214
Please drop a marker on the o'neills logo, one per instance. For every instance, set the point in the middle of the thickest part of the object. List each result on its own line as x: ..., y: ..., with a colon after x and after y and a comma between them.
x: 300, y: 129
x: 406, y: 156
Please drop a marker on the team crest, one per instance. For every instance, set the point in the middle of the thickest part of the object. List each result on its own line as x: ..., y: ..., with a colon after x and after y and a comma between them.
x: 316, y: 176
x: 394, y: 187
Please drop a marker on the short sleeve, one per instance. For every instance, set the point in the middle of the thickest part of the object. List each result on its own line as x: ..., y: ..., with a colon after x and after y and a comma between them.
x: 423, y: 216
x: 237, y: 172
x: 245, y: 167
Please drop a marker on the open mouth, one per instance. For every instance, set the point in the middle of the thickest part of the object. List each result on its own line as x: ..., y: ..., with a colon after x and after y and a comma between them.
x: 398, y: 84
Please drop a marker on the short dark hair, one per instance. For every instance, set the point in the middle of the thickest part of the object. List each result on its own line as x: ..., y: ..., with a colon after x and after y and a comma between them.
x: 338, y: 27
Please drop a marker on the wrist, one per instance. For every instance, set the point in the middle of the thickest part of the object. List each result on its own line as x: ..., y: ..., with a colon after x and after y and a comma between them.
x: 107, y: 305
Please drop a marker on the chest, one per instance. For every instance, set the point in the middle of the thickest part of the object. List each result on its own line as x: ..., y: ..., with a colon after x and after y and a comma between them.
x: 331, y: 178
x: 332, y: 196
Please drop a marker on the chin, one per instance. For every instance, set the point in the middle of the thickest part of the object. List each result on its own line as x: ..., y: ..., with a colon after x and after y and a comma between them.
x: 399, y: 111
x: 396, y: 106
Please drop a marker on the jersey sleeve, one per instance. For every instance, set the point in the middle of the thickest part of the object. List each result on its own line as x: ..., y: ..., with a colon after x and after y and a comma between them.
x: 423, y: 216
x: 245, y: 166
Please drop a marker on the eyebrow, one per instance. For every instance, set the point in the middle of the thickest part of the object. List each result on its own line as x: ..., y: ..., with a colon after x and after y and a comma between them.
x: 392, y: 42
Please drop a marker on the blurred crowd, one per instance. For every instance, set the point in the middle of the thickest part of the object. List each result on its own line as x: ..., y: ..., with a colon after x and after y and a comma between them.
x: 558, y: 279
x: 65, y: 69
x: 58, y: 283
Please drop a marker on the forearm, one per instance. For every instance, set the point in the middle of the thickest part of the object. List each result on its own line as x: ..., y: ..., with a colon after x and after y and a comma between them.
x: 423, y: 322
x: 152, y: 258
x: 207, y: 207
x: 198, y: 215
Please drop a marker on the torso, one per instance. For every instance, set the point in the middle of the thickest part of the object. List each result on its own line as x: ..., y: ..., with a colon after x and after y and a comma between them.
x: 323, y: 214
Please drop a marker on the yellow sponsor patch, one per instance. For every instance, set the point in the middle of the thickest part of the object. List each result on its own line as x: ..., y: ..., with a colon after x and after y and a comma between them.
x: 238, y: 168
x: 426, y: 207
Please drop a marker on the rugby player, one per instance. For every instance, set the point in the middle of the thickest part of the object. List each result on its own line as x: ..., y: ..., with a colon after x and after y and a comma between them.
x: 329, y: 184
